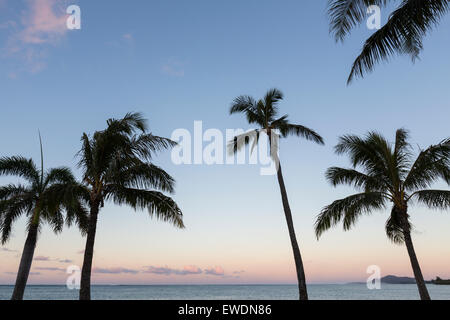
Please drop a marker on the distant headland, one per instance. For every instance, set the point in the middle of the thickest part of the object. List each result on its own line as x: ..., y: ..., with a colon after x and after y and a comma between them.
x: 391, y: 279
x: 407, y: 280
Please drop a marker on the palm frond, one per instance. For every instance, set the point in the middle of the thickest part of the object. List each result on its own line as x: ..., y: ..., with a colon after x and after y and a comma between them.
x: 434, y: 199
x: 248, y: 106
x: 243, y: 140
x: 146, y: 145
x: 116, y: 167
x: 299, y: 131
x: 55, y: 219
x: 348, y: 210
x: 10, y: 211
x: 86, y: 156
x: 70, y: 197
x: 59, y: 175
x: 364, y: 153
x: 142, y: 175
x: 337, y: 176
x: 158, y: 205
x: 13, y: 191
x: 431, y: 164
x: 130, y: 122
x: 271, y: 100
x: 21, y: 167
x: 402, y: 152
x: 412, y: 46
x: 409, y: 23
x: 346, y: 14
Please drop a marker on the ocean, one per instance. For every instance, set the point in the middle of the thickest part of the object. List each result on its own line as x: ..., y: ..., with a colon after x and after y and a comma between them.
x: 232, y: 292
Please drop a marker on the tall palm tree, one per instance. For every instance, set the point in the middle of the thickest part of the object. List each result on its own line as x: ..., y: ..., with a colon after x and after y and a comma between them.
x: 388, y: 174
x: 42, y: 200
x: 264, y: 113
x: 402, y: 34
x: 116, y: 166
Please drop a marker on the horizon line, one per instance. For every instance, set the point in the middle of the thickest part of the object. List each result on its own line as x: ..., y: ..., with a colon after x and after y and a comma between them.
x: 197, y: 284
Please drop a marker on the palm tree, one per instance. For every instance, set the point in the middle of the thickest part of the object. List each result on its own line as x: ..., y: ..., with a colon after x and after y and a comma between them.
x: 402, y: 34
x: 43, y: 199
x: 264, y: 114
x: 388, y: 174
x: 116, y: 166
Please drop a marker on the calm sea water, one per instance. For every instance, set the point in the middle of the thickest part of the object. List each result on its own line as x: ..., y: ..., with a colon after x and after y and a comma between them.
x: 232, y: 292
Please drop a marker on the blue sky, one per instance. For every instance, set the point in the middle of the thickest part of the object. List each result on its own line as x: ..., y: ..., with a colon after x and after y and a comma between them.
x: 181, y: 61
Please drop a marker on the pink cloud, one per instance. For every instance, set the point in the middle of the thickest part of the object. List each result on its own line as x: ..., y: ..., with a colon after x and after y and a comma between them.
x: 216, y: 271
x: 15, y: 273
x: 41, y: 258
x: 114, y: 270
x: 128, y: 36
x: 187, y: 270
x: 44, y: 22
x: 50, y: 269
x: 192, y: 270
x: 41, y: 23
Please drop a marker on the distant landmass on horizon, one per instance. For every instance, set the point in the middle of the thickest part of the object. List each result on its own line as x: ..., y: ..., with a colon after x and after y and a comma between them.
x: 397, y: 280
x: 391, y: 279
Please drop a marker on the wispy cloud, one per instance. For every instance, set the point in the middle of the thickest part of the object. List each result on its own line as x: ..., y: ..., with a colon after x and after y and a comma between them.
x: 45, y: 22
x: 173, y: 68
x: 115, y: 270
x: 41, y: 24
x: 216, y: 271
x: 65, y: 261
x: 125, y: 40
x: 12, y: 75
x: 191, y: 270
x: 8, y: 250
x: 42, y: 258
x: 59, y: 260
x: 238, y: 272
x: 128, y: 37
x: 187, y: 270
x: 15, y: 273
x: 50, y: 269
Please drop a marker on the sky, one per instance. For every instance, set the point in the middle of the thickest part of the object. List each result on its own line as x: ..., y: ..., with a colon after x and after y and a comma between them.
x: 182, y: 61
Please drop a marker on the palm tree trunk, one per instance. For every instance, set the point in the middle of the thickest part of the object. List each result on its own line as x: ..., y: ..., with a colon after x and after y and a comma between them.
x: 423, y: 291
x: 25, y: 263
x: 85, y: 284
x: 303, y: 293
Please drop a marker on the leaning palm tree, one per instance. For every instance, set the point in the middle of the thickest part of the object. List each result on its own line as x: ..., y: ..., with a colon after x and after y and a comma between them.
x: 388, y: 174
x: 264, y: 114
x: 42, y: 200
x: 403, y: 33
x: 116, y: 166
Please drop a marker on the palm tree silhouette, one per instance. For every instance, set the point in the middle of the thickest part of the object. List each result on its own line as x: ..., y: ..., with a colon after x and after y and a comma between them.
x: 264, y: 114
x: 388, y: 174
x: 42, y: 200
x: 402, y: 34
x: 116, y: 166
